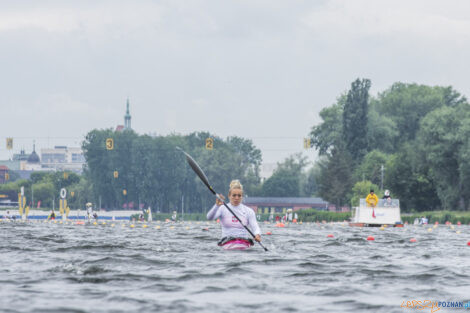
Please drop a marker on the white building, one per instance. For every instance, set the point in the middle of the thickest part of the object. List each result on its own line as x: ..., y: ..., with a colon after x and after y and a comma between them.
x: 63, y: 158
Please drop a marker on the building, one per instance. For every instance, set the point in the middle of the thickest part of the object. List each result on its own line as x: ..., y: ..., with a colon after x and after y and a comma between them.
x: 280, y: 205
x: 127, y: 120
x: 32, y: 163
x: 63, y: 158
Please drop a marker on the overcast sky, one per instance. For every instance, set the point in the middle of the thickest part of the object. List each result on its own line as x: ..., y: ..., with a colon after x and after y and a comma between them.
x: 257, y: 69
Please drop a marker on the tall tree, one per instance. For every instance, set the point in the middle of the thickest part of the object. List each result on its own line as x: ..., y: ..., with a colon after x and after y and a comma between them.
x: 355, y: 117
x: 335, y: 180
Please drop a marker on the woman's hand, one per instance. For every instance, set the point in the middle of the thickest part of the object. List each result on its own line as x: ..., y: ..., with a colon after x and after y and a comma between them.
x: 217, y: 201
x: 258, y: 238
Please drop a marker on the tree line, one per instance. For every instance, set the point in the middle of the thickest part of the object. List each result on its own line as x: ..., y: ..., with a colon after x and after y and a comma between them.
x: 411, y: 139
x: 418, y: 133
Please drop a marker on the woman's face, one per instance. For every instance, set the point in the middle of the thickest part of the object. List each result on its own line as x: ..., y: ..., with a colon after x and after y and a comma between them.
x: 235, y: 196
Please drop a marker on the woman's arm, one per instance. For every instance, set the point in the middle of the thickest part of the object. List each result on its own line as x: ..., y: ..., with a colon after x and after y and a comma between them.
x: 215, y: 212
x: 253, y: 223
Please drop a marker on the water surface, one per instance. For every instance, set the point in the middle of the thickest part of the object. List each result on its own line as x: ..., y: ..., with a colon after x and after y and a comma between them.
x: 177, y: 267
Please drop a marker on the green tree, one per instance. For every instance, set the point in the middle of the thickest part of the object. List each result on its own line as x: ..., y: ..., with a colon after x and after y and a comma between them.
x: 370, y: 168
x: 287, y: 179
x: 355, y: 119
x: 335, y: 180
x: 442, y: 144
x: 408, y: 104
x: 329, y: 132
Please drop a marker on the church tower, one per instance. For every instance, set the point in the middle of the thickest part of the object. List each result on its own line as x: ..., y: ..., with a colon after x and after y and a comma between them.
x: 127, y: 117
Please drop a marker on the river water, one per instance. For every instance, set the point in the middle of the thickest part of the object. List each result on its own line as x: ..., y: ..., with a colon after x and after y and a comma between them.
x: 177, y: 267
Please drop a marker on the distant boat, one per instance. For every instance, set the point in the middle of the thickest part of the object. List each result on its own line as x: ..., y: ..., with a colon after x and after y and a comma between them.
x: 386, y: 212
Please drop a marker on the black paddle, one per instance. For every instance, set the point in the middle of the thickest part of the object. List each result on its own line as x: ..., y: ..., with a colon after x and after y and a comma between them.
x: 204, y: 179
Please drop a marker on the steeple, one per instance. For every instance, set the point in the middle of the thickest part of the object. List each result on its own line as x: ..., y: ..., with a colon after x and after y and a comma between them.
x: 127, y: 117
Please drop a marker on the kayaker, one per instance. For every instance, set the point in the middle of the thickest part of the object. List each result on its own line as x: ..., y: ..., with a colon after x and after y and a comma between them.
x: 231, y: 227
x: 51, y: 215
x: 372, y: 199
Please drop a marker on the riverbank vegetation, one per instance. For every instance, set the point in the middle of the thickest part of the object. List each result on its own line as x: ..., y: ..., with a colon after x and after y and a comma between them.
x: 411, y: 139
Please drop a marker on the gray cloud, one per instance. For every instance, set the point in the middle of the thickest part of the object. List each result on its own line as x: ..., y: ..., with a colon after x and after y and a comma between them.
x: 257, y: 69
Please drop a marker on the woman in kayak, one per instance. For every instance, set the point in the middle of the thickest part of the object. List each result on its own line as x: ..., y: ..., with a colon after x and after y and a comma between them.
x: 231, y: 227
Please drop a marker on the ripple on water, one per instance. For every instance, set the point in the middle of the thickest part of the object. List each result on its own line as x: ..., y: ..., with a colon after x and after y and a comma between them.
x: 58, y: 268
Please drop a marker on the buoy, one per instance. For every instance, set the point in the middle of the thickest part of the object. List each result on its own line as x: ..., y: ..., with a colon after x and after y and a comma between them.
x: 280, y: 225
x: 172, y: 227
x: 370, y: 238
x: 294, y: 220
x: 158, y: 227
x: 132, y: 226
x: 458, y: 223
x: 458, y: 232
x: 112, y: 225
x: 205, y: 229
x: 268, y: 233
x: 144, y: 226
x: 436, y: 223
x: 104, y: 223
x: 452, y: 227
x: 435, y: 226
x: 187, y: 227
x: 95, y: 223
x: 429, y: 229
x: 382, y: 228
x: 330, y: 236
x: 413, y: 240
x: 468, y: 243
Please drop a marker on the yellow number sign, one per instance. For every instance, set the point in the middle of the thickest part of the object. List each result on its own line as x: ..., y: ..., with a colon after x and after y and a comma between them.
x: 109, y: 144
x: 9, y: 143
x: 209, y: 143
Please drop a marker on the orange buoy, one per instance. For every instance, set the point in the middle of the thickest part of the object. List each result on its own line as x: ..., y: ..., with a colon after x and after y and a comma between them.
x: 218, y: 220
x: 280, y: 225
x: 268, y: 233
x: 294, y: 220
x: 413, y: 240
x: 468, y: 243
x: 436, y: 223
x: 370, y: 238
x: 330, y: 236
x: 458, y: 223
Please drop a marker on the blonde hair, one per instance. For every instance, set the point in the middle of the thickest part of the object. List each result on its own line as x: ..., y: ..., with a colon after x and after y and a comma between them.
x: 235, y: 184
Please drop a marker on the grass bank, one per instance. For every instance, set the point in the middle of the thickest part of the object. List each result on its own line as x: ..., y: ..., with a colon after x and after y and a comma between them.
x: 439, y: 216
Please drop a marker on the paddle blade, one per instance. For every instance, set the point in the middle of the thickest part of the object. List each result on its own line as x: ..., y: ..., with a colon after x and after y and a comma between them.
x: 197, y: 169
